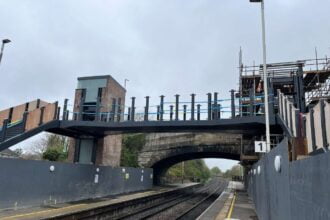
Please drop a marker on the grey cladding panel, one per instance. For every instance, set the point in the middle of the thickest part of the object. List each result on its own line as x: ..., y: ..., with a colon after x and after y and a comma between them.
x: 92, y: 86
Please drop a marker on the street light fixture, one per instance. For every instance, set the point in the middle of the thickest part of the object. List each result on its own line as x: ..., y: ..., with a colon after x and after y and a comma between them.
x: 265, y: 77
x: 4, y: 41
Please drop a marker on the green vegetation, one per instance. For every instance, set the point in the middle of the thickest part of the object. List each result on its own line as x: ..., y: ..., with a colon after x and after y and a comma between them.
x: 194, y: 170
x: 50, y: 147
x: 132, y: 144
x: 56, y: 148
x: 215, y: 171
x: 234, y: 171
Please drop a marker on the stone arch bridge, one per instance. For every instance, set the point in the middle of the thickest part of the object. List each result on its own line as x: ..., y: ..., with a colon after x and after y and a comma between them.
x: 163, y: 150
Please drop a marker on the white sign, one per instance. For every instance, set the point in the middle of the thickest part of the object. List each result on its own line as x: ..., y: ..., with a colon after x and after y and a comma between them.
x: 96, y: 178
x: 260, y: 147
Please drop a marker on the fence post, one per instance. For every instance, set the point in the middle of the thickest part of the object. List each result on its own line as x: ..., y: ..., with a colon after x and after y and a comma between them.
x: 55, y: 111
x: 58, y: 113
x: 65, y: 109
x: 286, y: 110
x: 161, y: 107
x: 291, y: 120
x: 251, y: 102
x: 25, y: 115
x: 311, y: 113
x: 209, y: 106
x: 297, y: 124
x: 4, y: 130
x: 215, y: 108
x: 232, y: 95
x: 146, y: 109
x: 158, y: 112
x: 192, y: 107
x: 184, y: 112
x: 279, y: 98
x: 177, y: 107
x: 42, y: 110
x: 171, y: 112
x: 133, y: 109
x: 198, y: 112
x: 323, y: 125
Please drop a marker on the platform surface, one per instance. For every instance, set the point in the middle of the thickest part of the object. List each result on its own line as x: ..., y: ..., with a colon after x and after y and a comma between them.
x: 232, y: 204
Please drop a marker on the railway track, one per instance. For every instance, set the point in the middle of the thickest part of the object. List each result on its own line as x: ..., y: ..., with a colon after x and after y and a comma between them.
x: 180, y: 205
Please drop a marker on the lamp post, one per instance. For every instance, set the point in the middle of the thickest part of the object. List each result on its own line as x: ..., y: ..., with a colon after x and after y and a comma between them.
x: 265, y: 71
x: 125, y: 81
x: 4, y: 41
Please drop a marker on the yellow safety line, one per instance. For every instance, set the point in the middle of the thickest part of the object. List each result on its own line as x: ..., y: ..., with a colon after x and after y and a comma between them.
x: 231, y: 207
x: 40, y: 212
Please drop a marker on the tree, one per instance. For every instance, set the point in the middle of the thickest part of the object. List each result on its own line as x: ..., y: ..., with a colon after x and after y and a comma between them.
x: 132, y: 145
x: 215, y: 171
x: 234, y: 171
x: 56, y: 148
x: 193, y: 170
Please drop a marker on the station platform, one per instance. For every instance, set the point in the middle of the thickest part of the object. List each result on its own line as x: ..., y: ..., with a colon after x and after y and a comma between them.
x: 232, y: 204
x: 45, y: 212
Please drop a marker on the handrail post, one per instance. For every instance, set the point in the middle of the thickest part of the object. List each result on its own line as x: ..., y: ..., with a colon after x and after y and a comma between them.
x: 65, y: 109
x: 133, y: 109
x: 158, y: 112
x: 161, y: 107
x: 4, y: 129
x: 215, y: 106
x: 146, y: 109
x: 192, y: 107
x: 184, y: 112
x: 233, y: 111
x: 209, y: 106
x: 171, y: 112
x: 177, y: 107
x: 323, y: 125
x: 199, y: 112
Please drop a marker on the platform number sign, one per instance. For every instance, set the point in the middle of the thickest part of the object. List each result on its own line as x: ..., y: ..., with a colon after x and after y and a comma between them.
x: 260, y: 147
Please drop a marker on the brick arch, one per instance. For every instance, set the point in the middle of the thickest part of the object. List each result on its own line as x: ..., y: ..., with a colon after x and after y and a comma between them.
x: 183, y: 153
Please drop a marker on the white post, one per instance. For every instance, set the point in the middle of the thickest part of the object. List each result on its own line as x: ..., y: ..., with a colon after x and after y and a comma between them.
x: 265, y: 74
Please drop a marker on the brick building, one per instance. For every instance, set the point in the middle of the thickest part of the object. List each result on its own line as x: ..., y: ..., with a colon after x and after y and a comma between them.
x: 98, y: 98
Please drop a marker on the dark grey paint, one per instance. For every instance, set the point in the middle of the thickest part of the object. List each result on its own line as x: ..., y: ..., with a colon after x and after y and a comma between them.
x: 30, y: 183
x: 299, y: 191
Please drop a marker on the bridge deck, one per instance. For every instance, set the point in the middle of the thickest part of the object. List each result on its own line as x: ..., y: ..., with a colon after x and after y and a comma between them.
x: 252, y: 125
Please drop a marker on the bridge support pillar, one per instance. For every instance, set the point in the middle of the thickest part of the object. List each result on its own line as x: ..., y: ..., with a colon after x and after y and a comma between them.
x: 100, y: 151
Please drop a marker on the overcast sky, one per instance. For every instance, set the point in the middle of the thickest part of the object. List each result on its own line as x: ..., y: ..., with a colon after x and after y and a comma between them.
x: 163, y: 47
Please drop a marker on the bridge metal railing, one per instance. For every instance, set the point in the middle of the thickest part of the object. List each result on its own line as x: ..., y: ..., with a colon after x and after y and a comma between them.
x: 211, y: 109
x: 30, y: 120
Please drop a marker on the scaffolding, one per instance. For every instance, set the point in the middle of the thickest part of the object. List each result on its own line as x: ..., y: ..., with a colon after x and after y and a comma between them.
x: 305, y: 81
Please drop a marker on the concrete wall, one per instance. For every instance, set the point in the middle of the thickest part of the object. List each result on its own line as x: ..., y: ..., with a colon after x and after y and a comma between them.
x: 299, y: 191
x: 26, y: 183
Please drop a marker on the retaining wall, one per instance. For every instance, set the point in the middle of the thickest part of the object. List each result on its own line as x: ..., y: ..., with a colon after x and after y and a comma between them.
x: 300, y: 191
x: 27, y: 183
